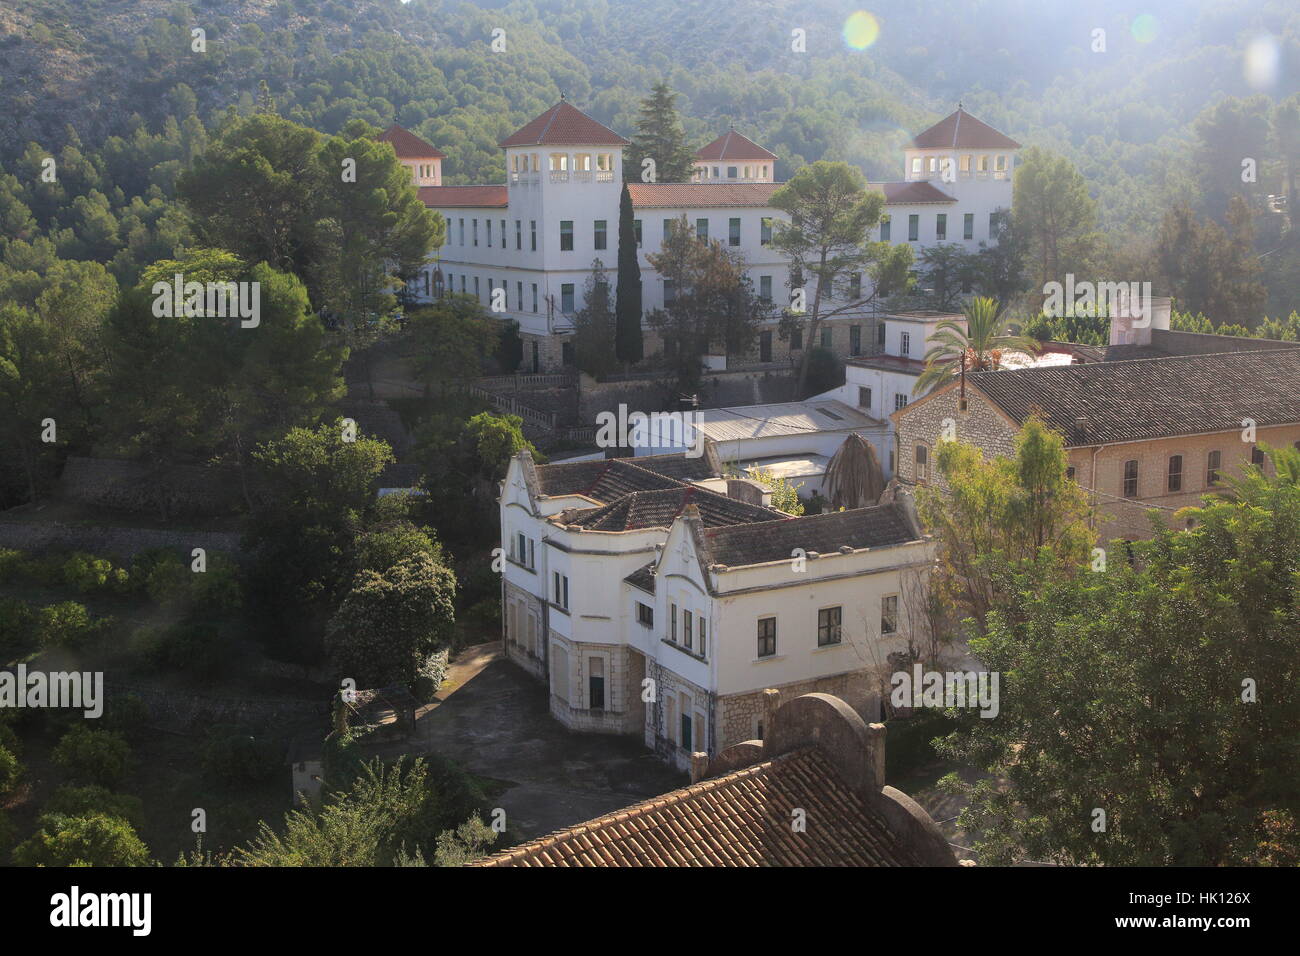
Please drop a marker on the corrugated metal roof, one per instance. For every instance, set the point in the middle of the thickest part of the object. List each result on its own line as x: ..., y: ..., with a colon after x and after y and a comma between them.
x: 787, y: 418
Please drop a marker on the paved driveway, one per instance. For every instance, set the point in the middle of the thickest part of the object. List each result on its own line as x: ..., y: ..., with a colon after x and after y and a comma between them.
x: 493, y: 719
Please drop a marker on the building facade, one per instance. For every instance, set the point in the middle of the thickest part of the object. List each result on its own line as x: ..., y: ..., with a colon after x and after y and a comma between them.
x: 656, y: 598
x: 525, y: 248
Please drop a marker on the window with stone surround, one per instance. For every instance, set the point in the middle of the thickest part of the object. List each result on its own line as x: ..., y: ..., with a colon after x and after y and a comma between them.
x: 596, y: 683
x: 766, y: 636
x: 688, y: 637
x: 828, y: 625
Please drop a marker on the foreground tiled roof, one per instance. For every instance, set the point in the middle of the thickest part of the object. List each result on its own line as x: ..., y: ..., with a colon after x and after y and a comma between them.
x: 657, y: 509
x: 732, y: 145
x: 606, y: 480
x: 564, y: 125
x: 409, y: 146
x: 738, y: 819
x: 915, y: 193
x: 700, y: 195
x: 440, y: 197
x: 960, y: 130
x: 745, y: 544
x: 1152, y: 397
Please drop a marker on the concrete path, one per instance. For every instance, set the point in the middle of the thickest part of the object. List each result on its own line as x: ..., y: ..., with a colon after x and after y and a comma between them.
x: 492, y: 718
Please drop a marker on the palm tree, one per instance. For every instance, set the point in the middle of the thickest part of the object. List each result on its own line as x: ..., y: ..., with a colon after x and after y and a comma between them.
x: 977, y: 346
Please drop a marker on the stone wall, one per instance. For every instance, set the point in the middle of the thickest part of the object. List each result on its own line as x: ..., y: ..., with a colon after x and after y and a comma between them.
x: 980, y: 424
x: 742, y: 713
x: 623, y: 712
x: 516, y: 606
x: 719, y: 390
x: 138, y: 487
x: 1200, y: 343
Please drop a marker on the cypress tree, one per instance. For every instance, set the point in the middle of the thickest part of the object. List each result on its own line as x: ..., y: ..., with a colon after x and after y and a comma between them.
x: 627, y: 303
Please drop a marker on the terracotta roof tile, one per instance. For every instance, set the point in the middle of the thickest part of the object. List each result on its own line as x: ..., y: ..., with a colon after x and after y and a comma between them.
x: 738, y: 819
x: 732, y: 145
x: 700, y: 195
x: 441, y: 197
x: 409, y: 146
x: 563, y: 125
x: 960, y: 130
x: 911, y: 193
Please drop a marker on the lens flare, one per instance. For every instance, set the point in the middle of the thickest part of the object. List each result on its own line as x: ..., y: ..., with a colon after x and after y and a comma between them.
x: 861, y: 30
x: 1263, y: 60
x: 1144, y: 28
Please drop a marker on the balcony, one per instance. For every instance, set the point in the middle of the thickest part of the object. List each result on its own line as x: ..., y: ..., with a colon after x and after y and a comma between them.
x: 604, y: 176
x: 582, y: 176
x: 559, y: 175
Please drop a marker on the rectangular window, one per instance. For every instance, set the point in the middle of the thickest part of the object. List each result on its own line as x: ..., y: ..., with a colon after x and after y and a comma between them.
x: 566, y: 235
x: 828, y: 626
x: 519, y: 234
x: 596, y: 683
x: 855, y: 286
x: 889, y: 614
x: 699, y: 620
x: 900, y: 401
x: 561, y: 588
x: 796, y: 339
x: 534, y: 296
x: 475, y: 228
x: 688, y: 630
x: 968, y: 226
x: 733, y: 232
x: 670, y: 292
x: 913, y: 228
x: 462, y: 232
x: 636, y: 228
x: 905, y: 343
x: 489, y: 233
x: 686, y: 731
x: 922, y: 462
x: 532, y: 225
x: 521, y: 549
x: 668, y: 228
x: 1212, y: 465
x: 645, y: 615
x: 880, y: 333
x: 532, y: 555
x: 884, y: 228
x: 702, y: 229
x: 864, y: 397
x: 566, y: 298
x: 1131, y: 478
x: 855, y: 340
x: 993, y: 223
x: 826, y: 337
x: 765, y: 288
x: 462, y: 284
x: 601, y: 227
x: 765, y: 231
x: 941, y: 226
x: 766, y: 636
x: 1256, y: 453
x: 731, y: 172
x: 672, y: 623
x: 1175, y: 473
x: 478, y: 293
x: 519, y: 296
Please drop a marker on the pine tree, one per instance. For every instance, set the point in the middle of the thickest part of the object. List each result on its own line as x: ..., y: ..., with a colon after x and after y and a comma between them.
x: 627, y: 304
x: 659, y: 136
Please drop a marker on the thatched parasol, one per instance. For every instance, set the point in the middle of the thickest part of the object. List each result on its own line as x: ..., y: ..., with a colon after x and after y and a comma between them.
x: 854, y: 478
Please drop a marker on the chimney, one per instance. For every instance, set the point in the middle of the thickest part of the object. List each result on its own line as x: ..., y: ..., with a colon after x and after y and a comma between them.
x: 771, y: 701
x: 1081, y: 427
x: 699, y: 766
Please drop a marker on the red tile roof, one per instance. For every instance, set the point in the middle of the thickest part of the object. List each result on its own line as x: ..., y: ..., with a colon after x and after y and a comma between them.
x: 439, y: 197
x: 960, y: 130
x: 731, y: 145
x: 698, y: 195
x: 738, y: 819
x: 902, y: 194
x: 409, y: 146
x: 564, y: 125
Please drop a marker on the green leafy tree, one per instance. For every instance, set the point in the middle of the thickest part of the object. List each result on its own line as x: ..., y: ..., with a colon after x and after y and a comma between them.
x: 976, y: 346
x: 391, y: 623
x: 594, y: 332
x: 1056, y: 219
x: 826, y: 240
x: 1008, y: 509
x: 447, y: 341
x: 1209, y: 269
x: 1159, y: 690
x: 100, y: 757
x: 88, y: 839
x: 468, y: 842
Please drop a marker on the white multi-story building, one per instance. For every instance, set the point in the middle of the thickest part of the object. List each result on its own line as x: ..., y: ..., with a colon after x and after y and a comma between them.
x: 656, y: 598
x: 526, y: 248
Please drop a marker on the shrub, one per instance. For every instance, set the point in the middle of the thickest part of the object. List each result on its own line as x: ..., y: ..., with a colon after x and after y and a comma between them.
x: 68, y: 624
x: 93, y: 839
x: 83, y: 801
x: 17, y: 623
x: 93, y: 756
x: 10, y: 771
x: 12, y: 565
x: 89, y: 574
x: 192, y: 649
x: 241, y: 757
x: 127, y: 715
x: 167, y: 578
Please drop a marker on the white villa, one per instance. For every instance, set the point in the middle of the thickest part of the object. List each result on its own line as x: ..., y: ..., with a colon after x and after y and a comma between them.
x: 657, y: 599
x: 525, y: 247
